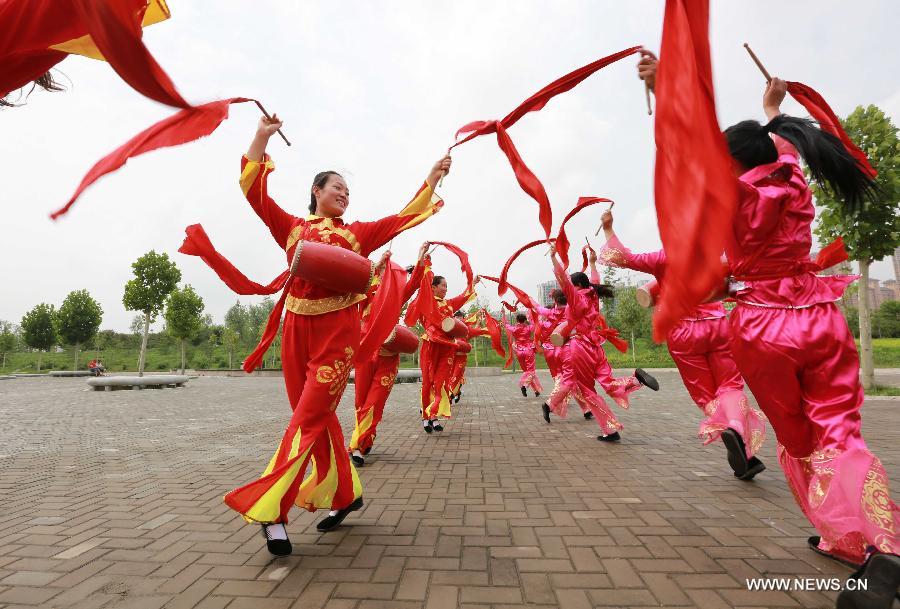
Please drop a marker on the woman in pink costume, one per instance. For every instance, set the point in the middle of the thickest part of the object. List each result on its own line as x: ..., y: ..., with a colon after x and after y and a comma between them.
x: 521, y: 336
x: 549, y: 318
x: 579, y: 367
x: 699, y: 344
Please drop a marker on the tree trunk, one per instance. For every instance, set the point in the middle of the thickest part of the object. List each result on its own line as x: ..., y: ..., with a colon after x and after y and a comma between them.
x: 4, y: 360
x: 39, y: 360
x: 75, y: 368
x: 230, y: 367
x: 476, y: 354
x: 141, y: 359
x: 866, y: 361
x: 633, y: 352
x: 182, y: 356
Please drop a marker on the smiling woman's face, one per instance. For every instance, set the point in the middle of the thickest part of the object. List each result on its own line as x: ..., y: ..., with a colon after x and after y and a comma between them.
x: 440, y: 290
x: 333, y: 198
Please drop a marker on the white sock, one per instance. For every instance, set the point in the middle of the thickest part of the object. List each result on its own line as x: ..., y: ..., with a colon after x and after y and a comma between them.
x: 276, y: 531
x: 333, y: 512
x: 356, y: 453
x: 425, y: 422
x: 434, y: 421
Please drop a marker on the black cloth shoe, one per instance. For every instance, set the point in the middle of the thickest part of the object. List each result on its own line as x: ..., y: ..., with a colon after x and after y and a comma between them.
x: 881, y: 574
x: 737, y: 457
x: 332, y: 522
x: 278, y: 547
x: 754, y: 466
x: 458, y: 395
x: 546, y: 410
x: 537, y: 394
x: 613, y: 437
x: 524, y: 391
x: 437, y: 426
x: 646, y: 379
x: 357, y: 460
x: 427, y: 427
x: 813, y: 543
x: 367, y: 451
x: 588, y: 415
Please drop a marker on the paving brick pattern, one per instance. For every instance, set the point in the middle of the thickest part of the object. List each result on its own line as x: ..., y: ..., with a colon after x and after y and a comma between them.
x: 114, y: 500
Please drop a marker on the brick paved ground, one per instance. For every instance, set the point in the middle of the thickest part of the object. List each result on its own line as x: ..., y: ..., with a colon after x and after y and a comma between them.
x: 114, y: 500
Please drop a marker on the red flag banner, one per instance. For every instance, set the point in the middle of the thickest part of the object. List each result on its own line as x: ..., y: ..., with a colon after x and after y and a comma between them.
x: 463, y: 260
x: 526, y: 178
x: 562, y: 240
x: 493, y: 327
x: 695, y: 190
x: 816, y: 105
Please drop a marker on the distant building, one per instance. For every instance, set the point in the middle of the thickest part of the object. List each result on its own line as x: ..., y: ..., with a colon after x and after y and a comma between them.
x: 544, y: 290
x: 897, y: 264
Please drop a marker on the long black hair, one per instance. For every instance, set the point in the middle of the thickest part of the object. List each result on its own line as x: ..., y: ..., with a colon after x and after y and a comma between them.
x: 45, y: 82
x: 826, y: 156
x: 580, y: 280
x: 319, y: 181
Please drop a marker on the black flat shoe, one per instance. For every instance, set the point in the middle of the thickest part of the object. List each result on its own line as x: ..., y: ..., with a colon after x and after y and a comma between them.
x: 427, y: 427
x: 646, y: 379
x: 367, y: 451
x: 458, y: 395
x: 357, y: 460
x: 754, y: 466
x: 813, y: 543
x: 613, y: 437
x: 546, y: 410
x: 537, y: 394
x: 437, y: 426
x: 332, y: 522
x: 588, y: 415
x: 524, y: 392
x: 881, y: 574
x: 737, y: 458
x: 278, y: 547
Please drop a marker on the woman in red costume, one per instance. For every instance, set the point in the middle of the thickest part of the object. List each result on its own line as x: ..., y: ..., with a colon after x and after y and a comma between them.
x: 792, y: 344
x: 438, y: 351
x: 375, y: 377
x: 461, y: 359
x: 579, y: 368
x: 699, y: 344
x: 320, y: 337
x: 521, y: 337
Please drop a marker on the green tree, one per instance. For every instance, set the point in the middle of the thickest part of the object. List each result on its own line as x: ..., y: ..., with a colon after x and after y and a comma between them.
x: 230, y: 339
x: 630, y: 318
x: 888, y: 319
x: 7, y: 339
x: 184, y: 316
x: 852, y: 316
x: 873, y: 232
x: 155, y: 277
x: 39, y: 330
x: 78, y: 320
x: 237, y: 318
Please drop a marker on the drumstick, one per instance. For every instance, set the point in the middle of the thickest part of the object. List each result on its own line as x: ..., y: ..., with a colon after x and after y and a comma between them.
x: 758, y: 63
x: 266, y: 114
x: 611, y: 205
x: 647, y: 95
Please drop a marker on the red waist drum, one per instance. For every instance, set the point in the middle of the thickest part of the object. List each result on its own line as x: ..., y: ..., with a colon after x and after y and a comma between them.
x: 561, y: 334
x: 454, y: 327
x: 648, y: 294
x: 332, y: 267
x: 402, y: 340
x: 463, y: 346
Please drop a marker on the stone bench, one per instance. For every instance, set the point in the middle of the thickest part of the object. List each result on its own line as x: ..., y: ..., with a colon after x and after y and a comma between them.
x: 154, y: 381
x: 64, y: 373
x: 404, y: 375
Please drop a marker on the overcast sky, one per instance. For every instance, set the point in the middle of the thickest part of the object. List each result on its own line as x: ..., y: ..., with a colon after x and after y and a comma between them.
x: 376, y: 90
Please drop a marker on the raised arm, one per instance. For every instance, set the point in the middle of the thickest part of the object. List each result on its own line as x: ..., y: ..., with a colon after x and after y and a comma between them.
x: 614, y: 253
x: 415, y: 280
x: 424, y: 204
x: 255, y: 169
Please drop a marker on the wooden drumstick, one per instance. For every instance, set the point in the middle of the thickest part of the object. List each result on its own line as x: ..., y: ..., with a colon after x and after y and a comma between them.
x: 611, y: 205
x: 758, y: 63
x: 268, y: 116
x: 647, y: 95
